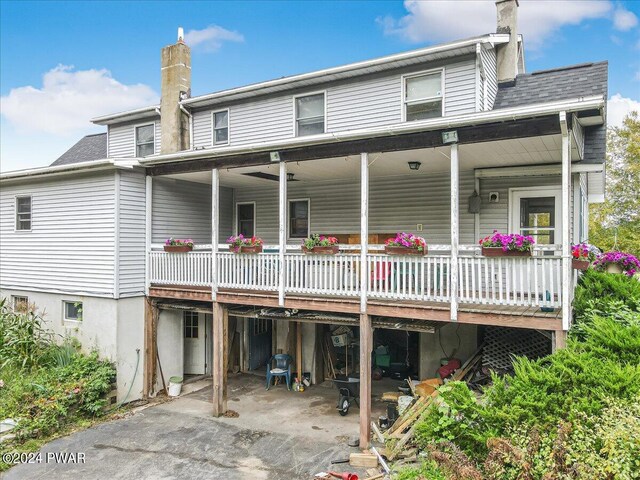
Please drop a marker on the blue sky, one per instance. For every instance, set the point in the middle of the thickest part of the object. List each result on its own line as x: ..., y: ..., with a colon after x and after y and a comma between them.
x: 62, y: 63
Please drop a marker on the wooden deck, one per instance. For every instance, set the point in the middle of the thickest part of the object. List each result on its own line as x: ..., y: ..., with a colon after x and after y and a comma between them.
x: 496, y: 315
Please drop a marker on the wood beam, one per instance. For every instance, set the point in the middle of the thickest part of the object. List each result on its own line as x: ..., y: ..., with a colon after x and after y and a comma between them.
x: 559, y: 340
x: 298, y: 349
x: 220, y: 321
x: 150, y: 346
x: 282, y: 230
x: 364, y: 229
x: 366, y: 348
x: 455, y: 229
x: 532, y: 127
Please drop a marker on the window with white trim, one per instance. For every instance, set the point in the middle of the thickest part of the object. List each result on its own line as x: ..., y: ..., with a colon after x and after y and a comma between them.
x: 221, y: 127
x: 20, y: 303
x: 298, y: 218
x: 423, y: 96
x: 144, y: 140
x: 72, y: 311
x: 23, y: 212
x: 310, y: 115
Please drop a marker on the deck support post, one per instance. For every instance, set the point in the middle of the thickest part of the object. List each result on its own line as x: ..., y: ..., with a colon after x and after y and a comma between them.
x: 148, y: 203
x: 150, y: 347
x: 282, y: 231
x: 566, y: 219
x: 558, y: 340
x: 366, y: 347
x: 215, y: 221
x: 220, y: 331
x: 364, y: 229
x: 454, y: 232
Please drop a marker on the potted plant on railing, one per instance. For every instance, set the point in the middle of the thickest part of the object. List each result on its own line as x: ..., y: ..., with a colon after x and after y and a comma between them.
x: 506, y: 245
x: 583, y: 255
x: 176, y: 245
x: 618, y: 262
x: 242, y: 244
x: 405, y: 244
x: 320, y: 244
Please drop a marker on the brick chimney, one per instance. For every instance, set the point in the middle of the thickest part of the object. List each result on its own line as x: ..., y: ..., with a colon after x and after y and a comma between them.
x: 176, y: 85
x: 507, y: 54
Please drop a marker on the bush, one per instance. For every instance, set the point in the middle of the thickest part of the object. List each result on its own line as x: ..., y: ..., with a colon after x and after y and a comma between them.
x: 600, y: 291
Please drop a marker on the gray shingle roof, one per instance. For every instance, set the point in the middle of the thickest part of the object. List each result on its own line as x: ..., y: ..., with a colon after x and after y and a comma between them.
x: 90, y: 147
x: 552, y: 85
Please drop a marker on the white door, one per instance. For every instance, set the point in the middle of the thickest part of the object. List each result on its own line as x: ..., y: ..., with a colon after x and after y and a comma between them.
x: 194, y: 344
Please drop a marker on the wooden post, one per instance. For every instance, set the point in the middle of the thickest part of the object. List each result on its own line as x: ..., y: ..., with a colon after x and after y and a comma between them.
x: 147, y: 231
x: 558, y: 340
x: 364, y: 229
x: 282, y: 231
x: 299, y: 349
x: 215, y: 221
x: 566, y: 219
x: 454, y: 232
x: 366, y: 347
x: 150, y: 346
x: 220, y: 321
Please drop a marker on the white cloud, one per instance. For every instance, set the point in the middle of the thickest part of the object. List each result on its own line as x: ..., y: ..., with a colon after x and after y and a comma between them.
x: 69, y: 98
x: 453, y: 19
x: 623, y: 19
x: 211, y: 38
x: 619, y: 107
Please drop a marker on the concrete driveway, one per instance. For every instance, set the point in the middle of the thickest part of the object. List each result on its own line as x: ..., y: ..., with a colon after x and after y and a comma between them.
x: 278, y: 435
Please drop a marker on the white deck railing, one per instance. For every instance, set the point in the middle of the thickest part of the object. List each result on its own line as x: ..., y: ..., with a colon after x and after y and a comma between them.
x: 519, y: 281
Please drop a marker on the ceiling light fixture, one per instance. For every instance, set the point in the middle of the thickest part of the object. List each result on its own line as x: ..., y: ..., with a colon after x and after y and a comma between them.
x: 414, y: 165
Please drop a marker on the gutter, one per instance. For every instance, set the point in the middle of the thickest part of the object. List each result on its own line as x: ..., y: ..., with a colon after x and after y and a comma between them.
x: 95, y: 165
x: 188, y: 114
x: 491, y: 116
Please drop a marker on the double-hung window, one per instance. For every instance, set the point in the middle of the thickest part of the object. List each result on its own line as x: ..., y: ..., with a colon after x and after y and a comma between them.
x: 144, y: 140
x: 298, y: 218
x: 310, y: 115
x: 423, y: 96
x: 221, y: 127
x: 23, y: 212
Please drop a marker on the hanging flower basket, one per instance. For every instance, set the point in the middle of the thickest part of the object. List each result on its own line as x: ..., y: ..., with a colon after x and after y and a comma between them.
x: 618, y: 262
x: 580, y: 264
x: 176, y: 245
x: 241, y: 244
x: 320, y: 244
x: 390, y: 250
x: 405, y: 244
x: 499, y: 252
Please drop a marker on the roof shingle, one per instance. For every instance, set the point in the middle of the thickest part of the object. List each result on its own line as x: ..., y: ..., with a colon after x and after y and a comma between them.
x: 88, y: 148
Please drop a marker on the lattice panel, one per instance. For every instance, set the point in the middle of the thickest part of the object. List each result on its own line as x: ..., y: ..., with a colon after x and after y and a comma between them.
x: 501, y: 344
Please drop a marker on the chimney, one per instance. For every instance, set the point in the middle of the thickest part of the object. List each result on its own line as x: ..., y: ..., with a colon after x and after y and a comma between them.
x: 176, y: 85
x: 507, y: 54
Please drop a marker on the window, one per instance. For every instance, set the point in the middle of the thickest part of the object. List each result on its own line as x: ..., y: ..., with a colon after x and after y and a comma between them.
x: 537, y: 218
x: 310, y: 115
x: 190, y: 324
x: 23, y: 213
x: 221, y: 127
x: 73, y: 311
x: 20, y: 303
x: 423, y: 96
x: 144, y: 140
x: 245, y: 213
x: 298, y: 218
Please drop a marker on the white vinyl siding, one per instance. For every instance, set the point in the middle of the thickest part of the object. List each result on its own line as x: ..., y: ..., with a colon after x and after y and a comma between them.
x: 368, y: 102
x: 122, y: 138
x: 488, y: 56
x: 71, y: 245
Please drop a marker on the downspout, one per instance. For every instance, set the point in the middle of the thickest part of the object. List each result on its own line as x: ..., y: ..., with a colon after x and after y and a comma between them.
x: 188, y: 114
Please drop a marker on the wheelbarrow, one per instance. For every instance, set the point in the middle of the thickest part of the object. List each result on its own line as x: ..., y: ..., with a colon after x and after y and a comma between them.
x: 349, y: 392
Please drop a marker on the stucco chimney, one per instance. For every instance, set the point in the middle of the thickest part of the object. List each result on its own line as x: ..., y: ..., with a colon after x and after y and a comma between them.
x: 176, y: 85
x: 507, y: 54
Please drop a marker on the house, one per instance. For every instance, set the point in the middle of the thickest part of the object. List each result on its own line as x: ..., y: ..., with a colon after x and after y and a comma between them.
x: 450, y: 142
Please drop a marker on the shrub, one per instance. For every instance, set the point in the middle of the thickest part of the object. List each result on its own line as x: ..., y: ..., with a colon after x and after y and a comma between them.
x: 599, y: 291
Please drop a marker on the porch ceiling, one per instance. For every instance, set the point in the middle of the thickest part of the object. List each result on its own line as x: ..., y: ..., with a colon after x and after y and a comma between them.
x: 512, y: 152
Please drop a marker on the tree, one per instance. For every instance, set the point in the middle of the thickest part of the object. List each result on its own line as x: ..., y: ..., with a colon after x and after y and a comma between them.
x: 615, y: 224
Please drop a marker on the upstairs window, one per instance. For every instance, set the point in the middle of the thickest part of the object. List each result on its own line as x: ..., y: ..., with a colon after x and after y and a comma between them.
x: 144, y: 140
x: 221, y: 127
x: 310, y: 115
x: 423, y: 96
x: 299, y: 219
x: 23, y: 212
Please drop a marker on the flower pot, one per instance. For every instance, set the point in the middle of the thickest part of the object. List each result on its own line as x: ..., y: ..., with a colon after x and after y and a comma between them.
x: 498, y: 252
x: 577, y: 264
x: 331, y: 250
x: 250, y: 249
x: 390, y: 250
x: 177, y: 248
x: 614, y: 268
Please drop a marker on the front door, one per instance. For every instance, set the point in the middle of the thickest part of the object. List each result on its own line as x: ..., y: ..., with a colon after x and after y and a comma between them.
x: 194, y: 344
x: 259, y: 342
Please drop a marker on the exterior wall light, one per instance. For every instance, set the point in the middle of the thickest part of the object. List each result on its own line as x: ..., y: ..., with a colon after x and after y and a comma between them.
x: 414, y: 165
x: 275, y: 156
x: 290, y: 176
x: 450, y: 137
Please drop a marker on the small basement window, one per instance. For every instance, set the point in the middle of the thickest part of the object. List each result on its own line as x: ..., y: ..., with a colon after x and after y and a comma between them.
x: 310, y: 115
x: 299, y: 219
x: 20, y: 303
x: 221, y: 127
x: 23, y: 212
x: 145, y: 140
x: 423, y: 96
x: 73, y: 311
x: 191, y: 325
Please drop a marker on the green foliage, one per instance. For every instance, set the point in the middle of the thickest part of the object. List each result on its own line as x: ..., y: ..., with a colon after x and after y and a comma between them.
x: 428, y: 470
x: 605, y: 292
